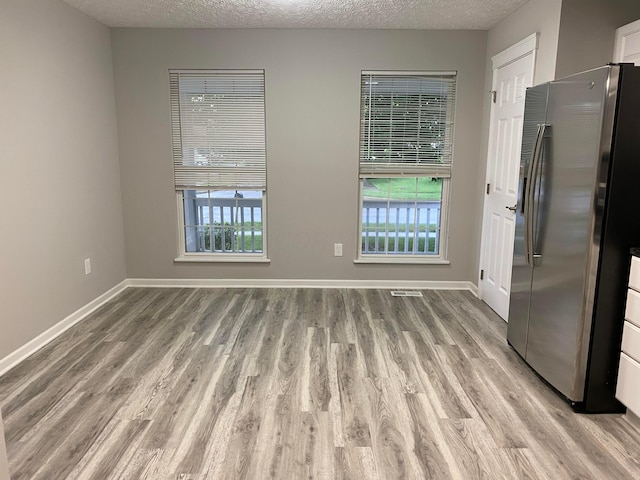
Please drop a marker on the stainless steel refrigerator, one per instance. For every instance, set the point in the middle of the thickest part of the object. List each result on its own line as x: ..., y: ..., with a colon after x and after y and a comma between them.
x: 577, y: 216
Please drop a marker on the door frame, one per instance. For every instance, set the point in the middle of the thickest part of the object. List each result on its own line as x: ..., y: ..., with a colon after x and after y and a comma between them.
x: 621, y: 36
x: 526, y: 46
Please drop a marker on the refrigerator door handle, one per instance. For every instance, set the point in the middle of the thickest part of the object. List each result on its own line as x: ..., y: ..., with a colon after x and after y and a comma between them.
x: 529, y: 196
x: 536, y: 257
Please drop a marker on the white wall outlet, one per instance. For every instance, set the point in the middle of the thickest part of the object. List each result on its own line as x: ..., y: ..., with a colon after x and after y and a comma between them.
x: 87, y: 266
x: 337, y: 249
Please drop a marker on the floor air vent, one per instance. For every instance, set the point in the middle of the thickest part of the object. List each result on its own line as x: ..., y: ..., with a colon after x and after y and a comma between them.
x: 405, y: 293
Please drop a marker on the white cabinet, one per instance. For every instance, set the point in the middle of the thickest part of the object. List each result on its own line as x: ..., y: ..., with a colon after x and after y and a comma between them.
x: 634, y: 275
x: 632, y: 310
x: 631, y: 341
x: 628, y: 387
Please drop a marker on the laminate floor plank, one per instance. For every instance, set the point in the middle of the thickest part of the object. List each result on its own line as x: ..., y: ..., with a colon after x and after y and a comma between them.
x: 548, y: 439
x: 245, y: 432
x: 155, y: 383
x: 369, y: 351
x: 311, y: 455
x: 397, y: 353
x: 35, y: 402
x: 337, y: 321
x: 455, y: 326
x: 227, y: 321
x: 334, y: 310
x: 505, y: 427
x: 312, y: 308
x: 388, y: 423
x: 619, y: 438
x: 47, y: 380
x: 429, y: 447
x: 211, y: 384
x: 215, y: 464
x: 527, y: 467
x: 440, y: 385
x: 290, y: 351
x: 212, y: 312
x: 272, y: 442
x: 221, y: 403
x: 37, y: 366
x: 174, y: 416
x: 475, y: 457
x: 353, y: 399
x: 113, y: 452
x: 317, y: 387
x: 314, y: 384
x: 72, y: 447
x: 427, y: 323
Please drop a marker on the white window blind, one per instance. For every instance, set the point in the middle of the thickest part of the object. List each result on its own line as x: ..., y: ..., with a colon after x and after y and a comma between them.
x: 218, y: 129
x: 406, y: 124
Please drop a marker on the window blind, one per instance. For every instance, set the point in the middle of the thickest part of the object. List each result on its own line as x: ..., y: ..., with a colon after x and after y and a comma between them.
x: 218, y: 129
x: 406, y: 123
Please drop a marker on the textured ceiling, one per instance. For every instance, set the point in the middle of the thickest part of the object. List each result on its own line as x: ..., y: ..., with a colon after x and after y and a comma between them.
x: 418, y: 14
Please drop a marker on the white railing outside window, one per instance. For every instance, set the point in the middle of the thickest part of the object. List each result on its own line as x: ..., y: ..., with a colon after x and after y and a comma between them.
x: 401, y: 227
x: 223, y: 225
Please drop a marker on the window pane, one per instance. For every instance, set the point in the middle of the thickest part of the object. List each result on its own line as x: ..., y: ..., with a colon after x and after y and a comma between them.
x: 223, y: 221
x: 401, y: 216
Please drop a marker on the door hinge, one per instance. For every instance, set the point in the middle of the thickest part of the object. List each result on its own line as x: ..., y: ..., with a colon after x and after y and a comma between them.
x: 481, y: 274
x: 494, y: 95
x: 488, y: 188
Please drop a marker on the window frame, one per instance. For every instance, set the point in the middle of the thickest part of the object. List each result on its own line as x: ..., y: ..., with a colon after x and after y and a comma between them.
x: 443, y: 242
x: 176, y: 127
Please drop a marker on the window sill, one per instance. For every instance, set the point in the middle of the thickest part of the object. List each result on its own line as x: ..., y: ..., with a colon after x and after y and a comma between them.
x: 203, y: 258
x: 402, y: 260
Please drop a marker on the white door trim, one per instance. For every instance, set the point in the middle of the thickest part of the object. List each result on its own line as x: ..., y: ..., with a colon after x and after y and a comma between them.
x: 516, y: 51
x: 621, y: 37
x: 526, y: 46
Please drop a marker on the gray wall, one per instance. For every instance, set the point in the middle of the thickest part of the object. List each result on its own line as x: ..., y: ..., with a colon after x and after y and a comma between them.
x: 535, y: 16
x: 587, y: 32
x: 59, y: 167
x: 312, y: 105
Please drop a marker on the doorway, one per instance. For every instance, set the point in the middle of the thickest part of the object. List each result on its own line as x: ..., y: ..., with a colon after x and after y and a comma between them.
x: 512, y: 75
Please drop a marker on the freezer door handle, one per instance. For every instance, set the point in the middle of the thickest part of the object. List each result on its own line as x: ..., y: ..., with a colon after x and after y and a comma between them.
x: 529, y: 195
x: 527, y: 176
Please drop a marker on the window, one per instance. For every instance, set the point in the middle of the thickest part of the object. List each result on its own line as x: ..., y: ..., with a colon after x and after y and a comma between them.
x: 218, y: 134
x: 406, y: 147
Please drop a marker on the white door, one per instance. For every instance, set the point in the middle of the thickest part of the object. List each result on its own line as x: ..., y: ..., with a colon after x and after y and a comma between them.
x: 627, y: 46
x: 512, y: 74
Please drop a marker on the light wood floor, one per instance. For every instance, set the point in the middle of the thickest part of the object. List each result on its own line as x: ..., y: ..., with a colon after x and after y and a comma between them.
x: 293, y: 384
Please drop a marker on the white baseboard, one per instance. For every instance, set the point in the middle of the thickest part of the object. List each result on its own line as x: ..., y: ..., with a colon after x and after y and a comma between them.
x: 300, y: 283
x: 41, y: 340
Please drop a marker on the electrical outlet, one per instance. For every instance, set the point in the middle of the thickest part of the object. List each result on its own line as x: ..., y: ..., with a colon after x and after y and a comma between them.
x: 337, y: 249
x: 87, y: 266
